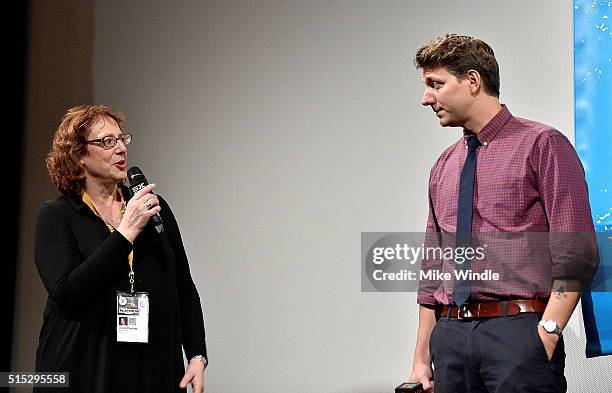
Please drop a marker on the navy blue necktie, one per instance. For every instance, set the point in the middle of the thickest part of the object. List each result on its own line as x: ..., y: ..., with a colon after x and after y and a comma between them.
x: 461, y: 290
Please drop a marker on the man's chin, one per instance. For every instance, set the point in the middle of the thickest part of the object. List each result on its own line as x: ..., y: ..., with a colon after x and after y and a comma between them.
x: 448, y: 123
x: 444, y: 123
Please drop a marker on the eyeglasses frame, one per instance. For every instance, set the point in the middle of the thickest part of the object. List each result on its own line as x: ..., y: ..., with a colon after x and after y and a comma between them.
x: 121, y: 137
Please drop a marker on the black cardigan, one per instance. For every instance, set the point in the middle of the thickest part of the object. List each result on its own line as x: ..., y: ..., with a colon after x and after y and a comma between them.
x: 82, y: 265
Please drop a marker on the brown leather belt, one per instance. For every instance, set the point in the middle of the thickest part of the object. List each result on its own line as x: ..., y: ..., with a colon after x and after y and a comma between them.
x: 491, y: 309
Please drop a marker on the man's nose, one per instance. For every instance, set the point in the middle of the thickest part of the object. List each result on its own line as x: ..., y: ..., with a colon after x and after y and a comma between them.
x: 427, y: 99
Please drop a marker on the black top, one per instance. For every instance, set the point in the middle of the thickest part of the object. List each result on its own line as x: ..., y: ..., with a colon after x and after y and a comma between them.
x: 82, y: 265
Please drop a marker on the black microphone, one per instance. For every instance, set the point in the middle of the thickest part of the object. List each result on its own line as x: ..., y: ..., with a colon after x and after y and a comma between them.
x: 137, y: 182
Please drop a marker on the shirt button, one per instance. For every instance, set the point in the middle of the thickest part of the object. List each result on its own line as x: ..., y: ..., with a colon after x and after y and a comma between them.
x: 485, y: 143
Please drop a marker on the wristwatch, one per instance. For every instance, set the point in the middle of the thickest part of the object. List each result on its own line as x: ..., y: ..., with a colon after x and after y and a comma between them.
x: 202, y: 359
x: 550, y: 326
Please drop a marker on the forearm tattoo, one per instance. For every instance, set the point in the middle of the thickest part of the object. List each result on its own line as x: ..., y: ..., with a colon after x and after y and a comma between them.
x: 561, y: 292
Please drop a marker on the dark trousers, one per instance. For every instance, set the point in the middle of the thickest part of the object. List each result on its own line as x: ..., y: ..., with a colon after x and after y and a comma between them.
x: 494, y: 355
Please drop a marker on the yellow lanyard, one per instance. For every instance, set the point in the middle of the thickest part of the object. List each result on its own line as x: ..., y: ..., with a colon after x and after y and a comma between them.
x: 87, y: 199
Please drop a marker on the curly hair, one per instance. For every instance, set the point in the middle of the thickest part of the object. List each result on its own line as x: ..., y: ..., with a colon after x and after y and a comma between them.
x: 69, y: 146
x: 460, y: 54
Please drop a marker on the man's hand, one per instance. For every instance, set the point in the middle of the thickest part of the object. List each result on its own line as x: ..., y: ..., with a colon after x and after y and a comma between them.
x: 560, y: 307
x: 549, y: 341
x: 421, y: 372
x: 194, y: 375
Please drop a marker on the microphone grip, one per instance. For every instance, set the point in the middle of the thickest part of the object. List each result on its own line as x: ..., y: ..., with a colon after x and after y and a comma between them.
x: 137, y: 182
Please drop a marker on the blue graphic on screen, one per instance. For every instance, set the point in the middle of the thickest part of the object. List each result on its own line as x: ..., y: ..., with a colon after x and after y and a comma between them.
x: 593, y: 126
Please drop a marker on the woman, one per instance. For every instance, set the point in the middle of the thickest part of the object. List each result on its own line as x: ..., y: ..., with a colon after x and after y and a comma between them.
x: 93, y: 243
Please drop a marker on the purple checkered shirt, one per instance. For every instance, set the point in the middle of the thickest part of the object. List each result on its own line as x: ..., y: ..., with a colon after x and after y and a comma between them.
x: 529, y: 179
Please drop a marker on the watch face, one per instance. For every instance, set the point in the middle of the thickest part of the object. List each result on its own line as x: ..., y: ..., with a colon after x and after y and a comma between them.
x: 550, y: 326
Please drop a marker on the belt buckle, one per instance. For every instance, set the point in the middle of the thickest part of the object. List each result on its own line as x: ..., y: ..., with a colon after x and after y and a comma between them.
x: 463, y: 312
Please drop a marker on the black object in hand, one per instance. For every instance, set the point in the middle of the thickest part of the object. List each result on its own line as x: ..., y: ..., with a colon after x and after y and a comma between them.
x: 137, y: 182
x: 409, y: 387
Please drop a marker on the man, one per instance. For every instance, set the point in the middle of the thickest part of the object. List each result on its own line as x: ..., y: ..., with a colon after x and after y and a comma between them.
x: 505, y: 175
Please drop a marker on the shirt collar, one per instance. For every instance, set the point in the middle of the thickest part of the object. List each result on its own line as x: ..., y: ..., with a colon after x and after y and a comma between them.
x: 489, y: 131
x: 76, y: 201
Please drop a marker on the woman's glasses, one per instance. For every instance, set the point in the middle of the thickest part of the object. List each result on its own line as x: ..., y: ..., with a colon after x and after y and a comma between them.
x: 110, y: 141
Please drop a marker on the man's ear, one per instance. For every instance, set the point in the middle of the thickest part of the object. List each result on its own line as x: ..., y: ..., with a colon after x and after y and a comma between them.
x: 473, y: 78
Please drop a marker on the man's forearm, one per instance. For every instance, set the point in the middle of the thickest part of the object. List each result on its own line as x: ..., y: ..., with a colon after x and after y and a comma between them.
x: 563, y: 300
x: 427, y: 320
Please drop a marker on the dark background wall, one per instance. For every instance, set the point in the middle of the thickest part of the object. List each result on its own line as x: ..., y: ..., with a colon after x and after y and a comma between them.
x: 15, y: 71
x: 59, y: 48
